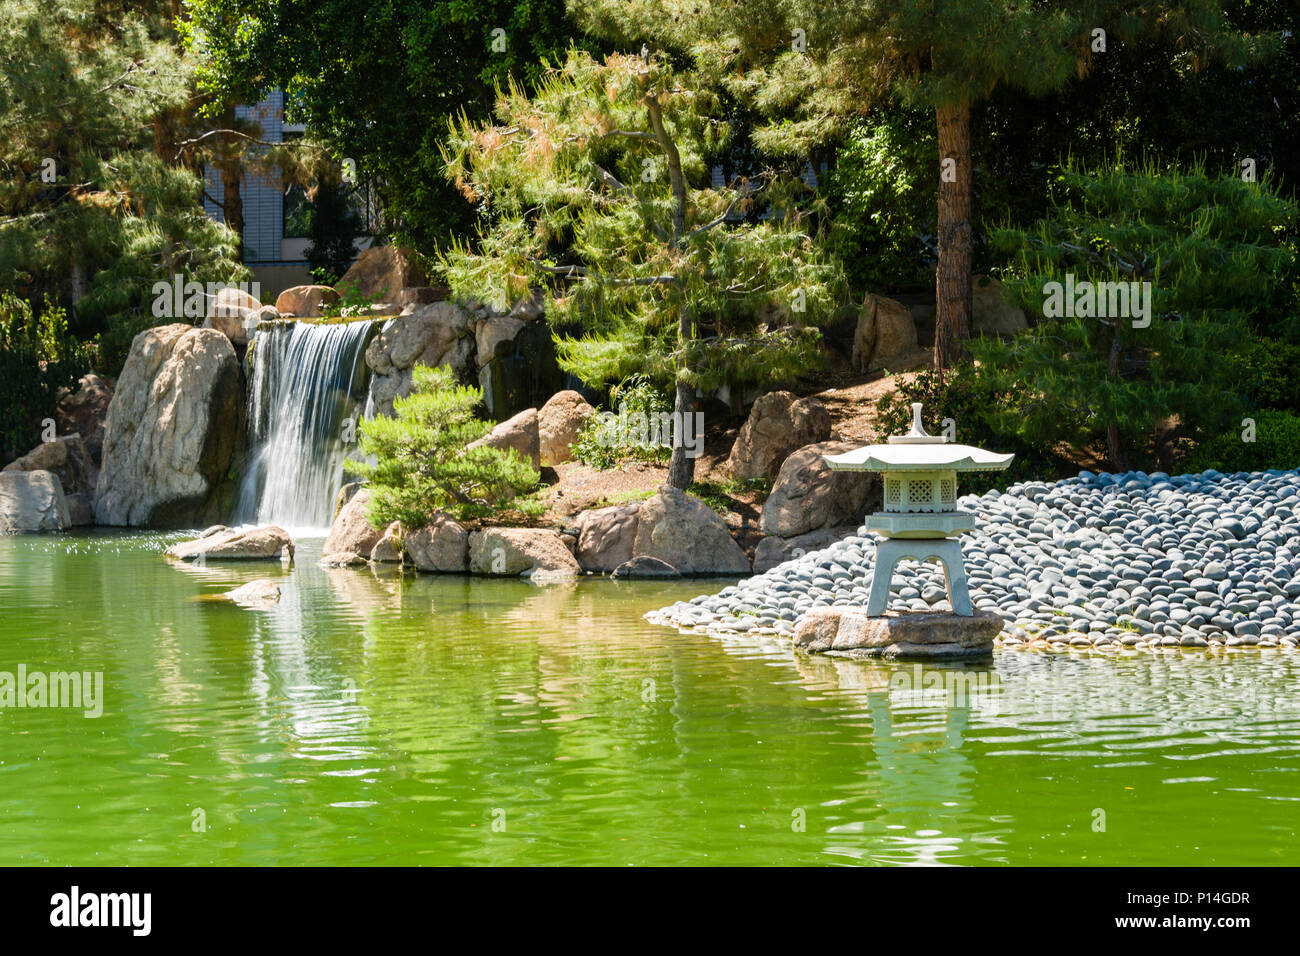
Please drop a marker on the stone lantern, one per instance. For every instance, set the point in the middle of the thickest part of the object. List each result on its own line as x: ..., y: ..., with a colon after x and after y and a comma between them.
x: 920, y: 520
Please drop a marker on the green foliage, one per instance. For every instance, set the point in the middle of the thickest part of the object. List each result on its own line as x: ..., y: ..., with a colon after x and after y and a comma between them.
x: 378, y: 82
x: 1212, y: 249
x: 609, y: 438
x: 983, y: 409
x: 597, y: 186
x: 719, y: 495
x: 1276, y: 445
x: 882, y: 199
x: 332, y: 225
x: 422, y: 463
x: 1273, y: 376
x: 37, y: 358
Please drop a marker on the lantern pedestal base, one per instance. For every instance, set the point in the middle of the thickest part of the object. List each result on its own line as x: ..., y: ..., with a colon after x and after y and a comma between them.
x: 921, y: 635
x: 944, y: 550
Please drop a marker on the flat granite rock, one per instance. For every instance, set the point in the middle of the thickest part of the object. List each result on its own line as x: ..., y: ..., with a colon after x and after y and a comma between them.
x: 849, y: 632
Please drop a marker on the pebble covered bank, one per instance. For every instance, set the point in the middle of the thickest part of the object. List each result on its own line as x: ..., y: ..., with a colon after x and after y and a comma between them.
x: 1101, y: 560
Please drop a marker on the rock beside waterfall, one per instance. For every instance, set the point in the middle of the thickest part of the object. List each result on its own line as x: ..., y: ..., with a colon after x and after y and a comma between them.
x: 519, y: 433
x: 441, y: 546
x: 520, y: 551
x: 807, y: 495
x: 687, y: 535
x: 174, y: 427
x: 778, y: 424
x: 234, y: 313
x: 351, y: 530
x: 388, y: 549
x: 306, y: 301
x: 848, y: 632
x: 219, y: 543
x: 440, y: 333
x: 558, y: 423
x: 81, y: 510
x: 32, y: 501
x: 68, y: 458
x: 83, y: 411
x: 381, y: 273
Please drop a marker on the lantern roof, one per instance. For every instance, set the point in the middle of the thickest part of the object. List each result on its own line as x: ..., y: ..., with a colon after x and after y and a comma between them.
x: 919, y: 451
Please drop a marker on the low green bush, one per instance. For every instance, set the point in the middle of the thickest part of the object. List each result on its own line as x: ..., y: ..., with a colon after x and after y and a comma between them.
x: 1276, y: 444
x: 609, y: 438
x: 422, y: 465
x: 38, y: 357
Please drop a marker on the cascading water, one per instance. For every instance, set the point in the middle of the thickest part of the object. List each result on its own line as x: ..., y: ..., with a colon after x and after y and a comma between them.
x: 306, y: 381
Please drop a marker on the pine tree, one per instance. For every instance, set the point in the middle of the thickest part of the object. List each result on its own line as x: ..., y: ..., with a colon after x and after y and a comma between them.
x: 815, y: 66
x: 598, y: 187
x: 422, y: 462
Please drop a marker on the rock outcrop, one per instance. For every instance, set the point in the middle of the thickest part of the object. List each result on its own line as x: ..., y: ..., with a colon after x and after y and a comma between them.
x: 306, y: 301
x: 886, y: 332
x: 808, y: 495
x: 606, y: 536
x: 174, y: 427
x: 441, y: 546
x: 778, y: 424
x: 382, y: 272
x: 68, y: 458
x: 432, y: 335
x: 848, y: 632
x: 32, y: 501
x: 519, y: 433
x: 83, y: 411
x: 219, y: 543
x: 558, y: 423
x: 991, y: 312
x: 686, y: 534
x: 351, y: 530
x: 520, y: 551
x: 234, y: 313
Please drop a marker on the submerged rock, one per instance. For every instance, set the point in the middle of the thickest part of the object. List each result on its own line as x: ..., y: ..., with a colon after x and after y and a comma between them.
x: 220, y: 543
x: 261, y: 593
x: 644, y: 566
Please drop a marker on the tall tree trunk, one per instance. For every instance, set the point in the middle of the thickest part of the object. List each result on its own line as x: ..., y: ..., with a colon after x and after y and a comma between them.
x: 952, y: 279
x: 681, y: 467
x: 232, y: 201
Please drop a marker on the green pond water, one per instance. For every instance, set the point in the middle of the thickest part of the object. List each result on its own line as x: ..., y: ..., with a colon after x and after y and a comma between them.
x: 371, y: 718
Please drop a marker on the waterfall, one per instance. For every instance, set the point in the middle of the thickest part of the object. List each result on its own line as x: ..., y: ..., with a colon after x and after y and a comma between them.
x: 306, y: 381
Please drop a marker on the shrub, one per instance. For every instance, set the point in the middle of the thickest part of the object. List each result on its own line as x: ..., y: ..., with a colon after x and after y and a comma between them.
x: 422, y: 465
x: 983, y: 413
x: 1276, y: 445
x: 609, y: 438
x: 1212, y: 249
x: 37, y: 358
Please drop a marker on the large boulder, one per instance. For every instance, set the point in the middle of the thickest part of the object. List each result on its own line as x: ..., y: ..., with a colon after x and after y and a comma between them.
x: 687, y: 534
x: 521, y: 551
x: 67, y: 457
x: 174, y: 427
x: 774, y: 550
x: 382, y: 272
x: 219, y: 543
x: 519, y: 433
x: 808, y: 495
x: 234, y: 313
x: 388, y: 549
x: 432, y: 335
x: 606, y: 536
x: 82, y: 411
x: 886, y: 332
x: 306, y: 301
x: 32, y: 501
x: 351, y: 530
x: 441, y: 546
x: 991, y: 313
x: 778, y: 424
x: 558, y: 423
